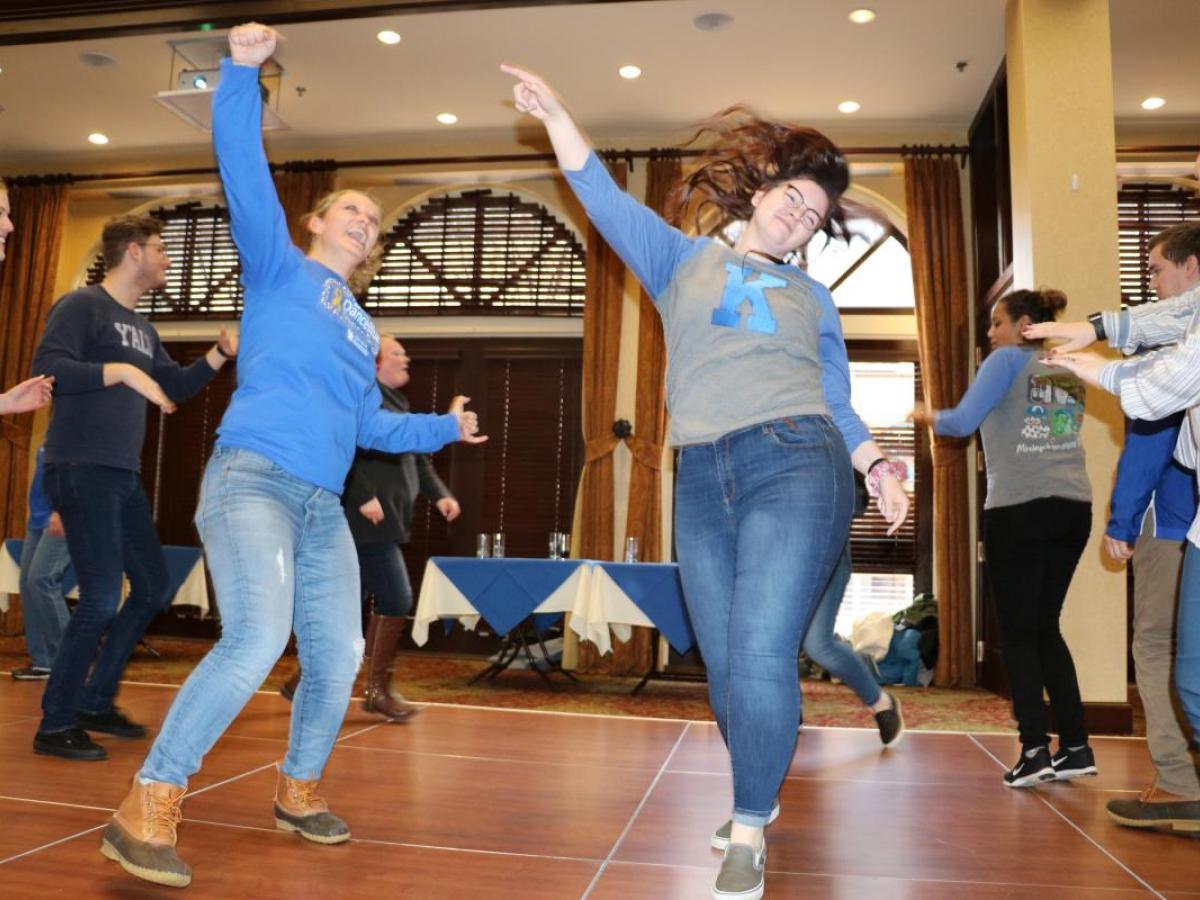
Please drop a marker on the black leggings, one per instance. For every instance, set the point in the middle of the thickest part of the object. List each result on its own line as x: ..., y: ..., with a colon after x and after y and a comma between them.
x: 1032, y: 550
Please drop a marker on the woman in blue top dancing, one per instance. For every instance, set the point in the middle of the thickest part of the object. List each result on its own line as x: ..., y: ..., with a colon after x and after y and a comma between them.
x: 274, y: 533
x: 758, y: 388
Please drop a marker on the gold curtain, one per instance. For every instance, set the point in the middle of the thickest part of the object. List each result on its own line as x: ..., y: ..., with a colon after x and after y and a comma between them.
x: 27, y: 275
x: 601, y: 359
x: 644, y: 519
x: 300, y: 185
x: 935, y: 243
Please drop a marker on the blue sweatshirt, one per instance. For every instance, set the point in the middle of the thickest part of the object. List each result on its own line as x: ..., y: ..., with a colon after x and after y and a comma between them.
x: 306, y: 393
x: 39, y: 503
x: 1148, y: 476
x: 748, y: 341
x: 91, y: 423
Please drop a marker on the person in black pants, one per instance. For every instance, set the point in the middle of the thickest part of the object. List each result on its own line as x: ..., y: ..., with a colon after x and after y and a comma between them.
x: 107, y: 361
x: 1037, y: 518
x: 381, y: 491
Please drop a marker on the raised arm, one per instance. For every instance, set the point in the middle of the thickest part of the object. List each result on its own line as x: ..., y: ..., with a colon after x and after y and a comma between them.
x: 183, y: 382
x: 256, y: 218
x: 991, y: 383
x: 647, y: 244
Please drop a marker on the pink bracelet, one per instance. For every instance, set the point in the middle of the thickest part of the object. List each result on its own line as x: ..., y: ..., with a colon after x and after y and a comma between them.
x: 894, y: 467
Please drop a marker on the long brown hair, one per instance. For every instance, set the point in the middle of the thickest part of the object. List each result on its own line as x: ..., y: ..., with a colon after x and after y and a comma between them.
x: 360, y: 279
x: 749, y: 154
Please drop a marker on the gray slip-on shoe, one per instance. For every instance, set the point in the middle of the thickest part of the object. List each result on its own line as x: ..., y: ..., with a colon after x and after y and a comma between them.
x: 743, y: 873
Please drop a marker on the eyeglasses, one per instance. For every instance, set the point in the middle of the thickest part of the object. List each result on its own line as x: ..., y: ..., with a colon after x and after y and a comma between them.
x: 809, y: 217
x: 156, y: 245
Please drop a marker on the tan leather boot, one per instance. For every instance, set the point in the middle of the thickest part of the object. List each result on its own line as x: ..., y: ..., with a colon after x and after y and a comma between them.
x: 299, y: 809
x: 141, y: 835
x: 383, y: 633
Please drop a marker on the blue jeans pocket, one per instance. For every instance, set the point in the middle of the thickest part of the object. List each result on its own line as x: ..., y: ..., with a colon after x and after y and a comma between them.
x: 806, y: 432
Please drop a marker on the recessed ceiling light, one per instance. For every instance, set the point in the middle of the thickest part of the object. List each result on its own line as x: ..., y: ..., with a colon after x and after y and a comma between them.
x: 387, y: 36
x: 97, y: 138
x: 1153, y: 103
x: 714, y: 21
x: 447, y: 118
x: 849, y: 106
x: 862, y: 16
x: 629, y: 72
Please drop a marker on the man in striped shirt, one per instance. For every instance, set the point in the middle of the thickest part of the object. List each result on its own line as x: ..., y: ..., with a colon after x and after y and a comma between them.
x: 1153, y: 386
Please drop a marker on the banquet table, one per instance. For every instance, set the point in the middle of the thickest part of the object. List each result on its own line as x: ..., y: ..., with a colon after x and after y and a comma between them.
x: 185, y: 569
x: 603, y: 598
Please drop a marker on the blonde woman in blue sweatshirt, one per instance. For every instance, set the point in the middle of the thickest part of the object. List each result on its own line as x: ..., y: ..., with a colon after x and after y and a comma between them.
x: 270, y: 516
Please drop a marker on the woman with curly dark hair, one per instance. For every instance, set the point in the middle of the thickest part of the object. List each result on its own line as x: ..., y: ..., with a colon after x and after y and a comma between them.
x: 1037, y: 517
x: 758, y: 388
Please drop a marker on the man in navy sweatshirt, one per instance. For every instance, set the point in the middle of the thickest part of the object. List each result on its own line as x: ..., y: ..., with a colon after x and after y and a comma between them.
x: 1153, y: 505
x: 107, y: 361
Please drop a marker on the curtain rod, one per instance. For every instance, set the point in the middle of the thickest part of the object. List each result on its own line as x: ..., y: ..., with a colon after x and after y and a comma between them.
x: 628, y: 155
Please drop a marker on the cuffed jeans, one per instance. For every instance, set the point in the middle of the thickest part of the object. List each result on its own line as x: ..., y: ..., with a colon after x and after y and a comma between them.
x: 1187, y: 647
x: 1032, y: 549
x: 385, y: 578
x: 44, y: 560
x: 109, y: 531
x: 761, y: 516
x: 281, y: 557
x: 823, y: 647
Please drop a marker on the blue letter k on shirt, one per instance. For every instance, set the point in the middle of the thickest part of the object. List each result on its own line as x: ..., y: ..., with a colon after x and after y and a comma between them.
x: 728, y: 314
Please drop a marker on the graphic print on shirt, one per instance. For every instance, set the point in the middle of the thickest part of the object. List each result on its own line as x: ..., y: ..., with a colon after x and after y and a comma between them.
x: 132, y: 336
x: 739, y: 291
x: 360, y: 330
x: 1054, y: 415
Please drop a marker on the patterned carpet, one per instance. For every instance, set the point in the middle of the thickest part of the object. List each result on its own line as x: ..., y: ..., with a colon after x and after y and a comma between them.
x: 422, y: 677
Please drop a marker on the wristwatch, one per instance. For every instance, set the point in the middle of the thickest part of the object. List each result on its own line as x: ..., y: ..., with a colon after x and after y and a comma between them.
x: 1097, y: 320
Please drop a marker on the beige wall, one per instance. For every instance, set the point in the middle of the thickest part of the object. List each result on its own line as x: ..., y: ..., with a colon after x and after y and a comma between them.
x: 1065, y: 236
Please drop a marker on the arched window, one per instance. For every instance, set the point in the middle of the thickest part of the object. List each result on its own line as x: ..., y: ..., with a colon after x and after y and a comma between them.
x: 871, y: 271
x: 203, y: 280
x: 477, y: 252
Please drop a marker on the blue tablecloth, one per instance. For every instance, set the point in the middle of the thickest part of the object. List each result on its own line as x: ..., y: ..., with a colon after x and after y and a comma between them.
x: 505, y: 591
x: 656, y: 590
x: 180, y: 562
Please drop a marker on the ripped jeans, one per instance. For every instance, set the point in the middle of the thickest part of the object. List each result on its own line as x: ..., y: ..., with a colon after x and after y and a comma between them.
x: 281, y: 557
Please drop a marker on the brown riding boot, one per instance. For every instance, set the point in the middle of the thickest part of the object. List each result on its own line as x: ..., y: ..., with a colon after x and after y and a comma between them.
x: 299, y: 809
x: 383, y: 633
x: 141, y: 835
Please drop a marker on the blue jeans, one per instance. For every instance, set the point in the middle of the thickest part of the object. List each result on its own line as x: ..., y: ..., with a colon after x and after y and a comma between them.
x: 823, y: 647
x: 1187, y: 637
x: 281, y: 557
x: 385, y: 578
x: 109, y: 531
x: 761, y: 516
x: 44, y: 559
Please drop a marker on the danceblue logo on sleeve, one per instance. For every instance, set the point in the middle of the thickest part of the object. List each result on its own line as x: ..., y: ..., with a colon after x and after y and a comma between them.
x: 738, y: 291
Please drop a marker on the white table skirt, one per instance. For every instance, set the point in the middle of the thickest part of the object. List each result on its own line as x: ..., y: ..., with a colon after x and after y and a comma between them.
x: 598, y: 607
x: 193, y: 591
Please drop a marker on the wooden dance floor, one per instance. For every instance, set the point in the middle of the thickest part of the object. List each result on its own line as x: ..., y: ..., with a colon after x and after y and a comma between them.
x: 468, y: 802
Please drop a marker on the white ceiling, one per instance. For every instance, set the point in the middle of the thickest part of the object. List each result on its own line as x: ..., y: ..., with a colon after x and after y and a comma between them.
x: 788, y: 58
